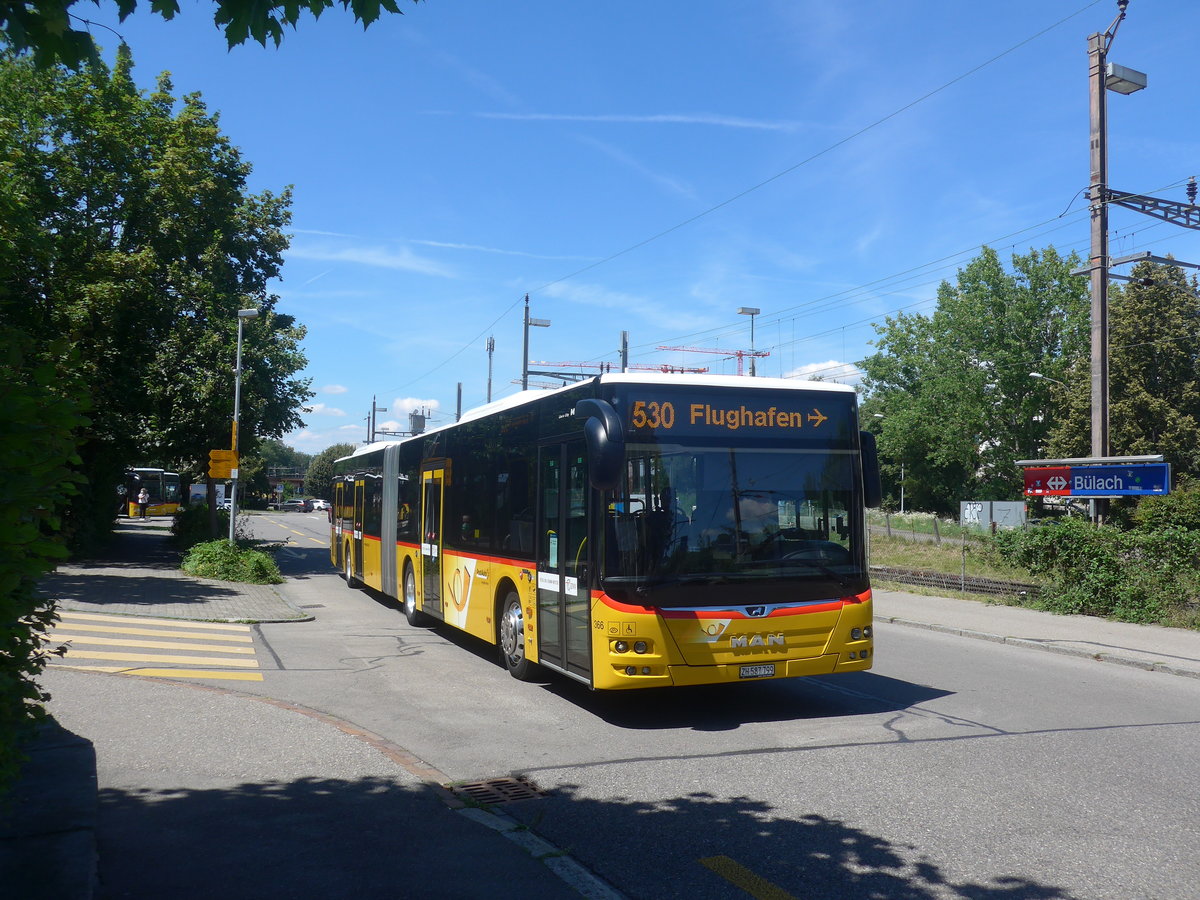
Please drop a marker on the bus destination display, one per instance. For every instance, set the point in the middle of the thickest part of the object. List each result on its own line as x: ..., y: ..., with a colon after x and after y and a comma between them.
x: 782, y: 415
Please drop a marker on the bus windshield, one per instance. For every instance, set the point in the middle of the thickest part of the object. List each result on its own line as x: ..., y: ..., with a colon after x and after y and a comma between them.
x: 770, y: 520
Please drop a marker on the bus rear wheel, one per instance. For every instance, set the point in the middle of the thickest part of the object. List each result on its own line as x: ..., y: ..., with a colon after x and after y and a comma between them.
x: 348, y: 564
x: 512, y: 638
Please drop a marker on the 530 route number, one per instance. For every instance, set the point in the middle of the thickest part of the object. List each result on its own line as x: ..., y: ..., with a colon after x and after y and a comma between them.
x: 652, y: 414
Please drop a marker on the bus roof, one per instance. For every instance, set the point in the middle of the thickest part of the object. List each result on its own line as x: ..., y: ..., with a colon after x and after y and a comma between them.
x: 513, y: 401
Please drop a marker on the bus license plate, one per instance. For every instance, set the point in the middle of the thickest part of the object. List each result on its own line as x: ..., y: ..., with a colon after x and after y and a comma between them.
x: 764, y: 671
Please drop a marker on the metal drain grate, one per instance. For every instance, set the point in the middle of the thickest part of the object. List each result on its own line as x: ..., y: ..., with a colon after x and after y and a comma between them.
x: 497, y: 790
x: 312, y: 606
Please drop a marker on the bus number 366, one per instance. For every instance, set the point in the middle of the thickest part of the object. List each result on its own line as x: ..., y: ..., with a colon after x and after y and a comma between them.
x: 653, y: 414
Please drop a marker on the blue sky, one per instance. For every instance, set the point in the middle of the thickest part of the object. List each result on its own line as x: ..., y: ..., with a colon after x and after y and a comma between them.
x: 653, y: 167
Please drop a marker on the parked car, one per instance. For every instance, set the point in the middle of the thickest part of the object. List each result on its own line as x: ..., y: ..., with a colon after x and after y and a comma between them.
x: 320, y: 504
x: 296, y: 505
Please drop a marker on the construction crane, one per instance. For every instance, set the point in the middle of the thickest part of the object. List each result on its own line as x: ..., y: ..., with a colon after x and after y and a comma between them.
x: 611, y: 367
x: 740, y: 354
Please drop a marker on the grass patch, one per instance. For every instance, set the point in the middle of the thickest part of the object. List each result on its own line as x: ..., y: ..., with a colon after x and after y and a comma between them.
x: 979, y: 556
x: 228, y: 562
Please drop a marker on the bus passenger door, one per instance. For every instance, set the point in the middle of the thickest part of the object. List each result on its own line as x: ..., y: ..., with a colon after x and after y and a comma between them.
x: 336, y: 520
x: 563, y: 576
x: 432, y: 484
x: 359, y: 516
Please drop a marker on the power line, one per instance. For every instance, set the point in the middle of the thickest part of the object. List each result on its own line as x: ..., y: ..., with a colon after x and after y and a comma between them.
x: 778, y: 175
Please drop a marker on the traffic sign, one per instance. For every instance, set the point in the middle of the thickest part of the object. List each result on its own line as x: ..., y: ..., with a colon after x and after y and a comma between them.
x: 221, y: 463
x: 1128, y: 480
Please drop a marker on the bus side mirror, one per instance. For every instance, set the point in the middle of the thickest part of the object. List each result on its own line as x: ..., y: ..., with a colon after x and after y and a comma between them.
x: 872, y: 487
x: 605, y: 436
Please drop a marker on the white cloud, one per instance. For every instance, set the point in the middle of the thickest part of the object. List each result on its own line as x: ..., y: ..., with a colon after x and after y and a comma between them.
x: 670, y: 184
x: 379, y: 257
x: 320, y: 409
x: 711, y: 119
x: 475, y: 247
x: 334, y: 389
x: 405, y: 405
x: 830, y: 370
x: 668, y: 317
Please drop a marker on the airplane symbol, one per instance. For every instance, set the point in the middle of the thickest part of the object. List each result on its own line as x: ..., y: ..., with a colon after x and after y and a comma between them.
x: 816, y: 414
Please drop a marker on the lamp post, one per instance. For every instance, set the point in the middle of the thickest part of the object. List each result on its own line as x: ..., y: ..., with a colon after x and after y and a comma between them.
x: 243, y: 315
x: 750, y: 311
x: 1102, y: 76
x: 536, y: 323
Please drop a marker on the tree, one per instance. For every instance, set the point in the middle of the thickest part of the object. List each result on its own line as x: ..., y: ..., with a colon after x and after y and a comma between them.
x: 320, y: 470
x: 1154, y: 374
x: 958, y: 403
x: 44, y: 27
x: 139, y: 243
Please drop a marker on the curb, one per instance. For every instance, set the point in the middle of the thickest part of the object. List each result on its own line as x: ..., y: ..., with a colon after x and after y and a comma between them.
x: 1046, y: 645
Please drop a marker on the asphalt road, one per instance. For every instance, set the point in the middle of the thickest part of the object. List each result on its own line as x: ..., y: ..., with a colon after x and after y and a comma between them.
x: 956, y: 768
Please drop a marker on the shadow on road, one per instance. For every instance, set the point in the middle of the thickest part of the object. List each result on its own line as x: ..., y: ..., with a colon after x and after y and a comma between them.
x: 334, y: 838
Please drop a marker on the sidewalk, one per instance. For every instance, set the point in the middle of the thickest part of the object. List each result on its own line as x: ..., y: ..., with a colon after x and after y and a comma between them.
x: 1172, y: 651
x: 53, y: 820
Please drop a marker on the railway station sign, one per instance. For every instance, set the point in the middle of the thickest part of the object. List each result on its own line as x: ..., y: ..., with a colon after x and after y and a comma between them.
x: 1125, y: 480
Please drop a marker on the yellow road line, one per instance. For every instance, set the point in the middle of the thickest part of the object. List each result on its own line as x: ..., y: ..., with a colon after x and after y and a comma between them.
x: 167, y: 673
x: 152, y: 658
x: 75, y: 640
x: 738, y: 875
x: 152, y: 632
x: 165, y: 623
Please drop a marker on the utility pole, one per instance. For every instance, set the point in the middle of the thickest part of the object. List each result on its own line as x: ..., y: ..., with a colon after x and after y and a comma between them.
x: 458, y: 408
x: 491, y: 349
x: 374, y: 409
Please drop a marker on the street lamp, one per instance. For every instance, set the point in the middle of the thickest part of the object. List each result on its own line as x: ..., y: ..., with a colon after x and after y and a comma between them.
x: 750, y: 311
x: 243, y: 315
x: 882, y: 416
x: 1039, y: 375
x: 536, y: 323
x: 1102, y: 76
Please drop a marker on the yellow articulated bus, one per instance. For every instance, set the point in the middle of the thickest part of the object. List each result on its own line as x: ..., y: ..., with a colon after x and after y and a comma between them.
x: 629, y: 531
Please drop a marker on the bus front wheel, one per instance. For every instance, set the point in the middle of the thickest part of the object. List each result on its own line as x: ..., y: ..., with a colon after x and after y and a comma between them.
x: 348, y: 562
x: 512, y: 638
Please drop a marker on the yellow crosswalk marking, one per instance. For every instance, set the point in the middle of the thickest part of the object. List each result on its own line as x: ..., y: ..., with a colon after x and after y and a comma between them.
x: 75, y: 640
x: 152, y: 632
x: 170, y: 673
x: 155, y: 658
x: 162, y: 623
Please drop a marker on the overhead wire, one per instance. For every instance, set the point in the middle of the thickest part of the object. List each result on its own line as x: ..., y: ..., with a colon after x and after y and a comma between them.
x: 756, y: 187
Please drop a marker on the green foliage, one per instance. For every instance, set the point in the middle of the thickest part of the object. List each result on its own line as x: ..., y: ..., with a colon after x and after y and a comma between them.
x: 140, y: 255
x: 1154, y: 375
x: 1132, y: 576
x: 191, y: 525
x: 957, y: 402
x: 320, y: 470
x: 39, y: 415
x: 44, y: 27
x: 1178, y: 509
x: 229, y: 562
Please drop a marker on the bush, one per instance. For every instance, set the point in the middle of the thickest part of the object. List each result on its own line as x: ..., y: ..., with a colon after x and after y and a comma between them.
x: 191, y: 526
x: 229, y: 562
x: 1132, y: 576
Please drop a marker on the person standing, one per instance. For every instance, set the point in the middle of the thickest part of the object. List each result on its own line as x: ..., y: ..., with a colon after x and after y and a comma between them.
x: 143, y: 500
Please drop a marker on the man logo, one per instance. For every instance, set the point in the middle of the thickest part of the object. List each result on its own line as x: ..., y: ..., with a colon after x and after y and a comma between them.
x: 757, y: 640
x: 756, y: 611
